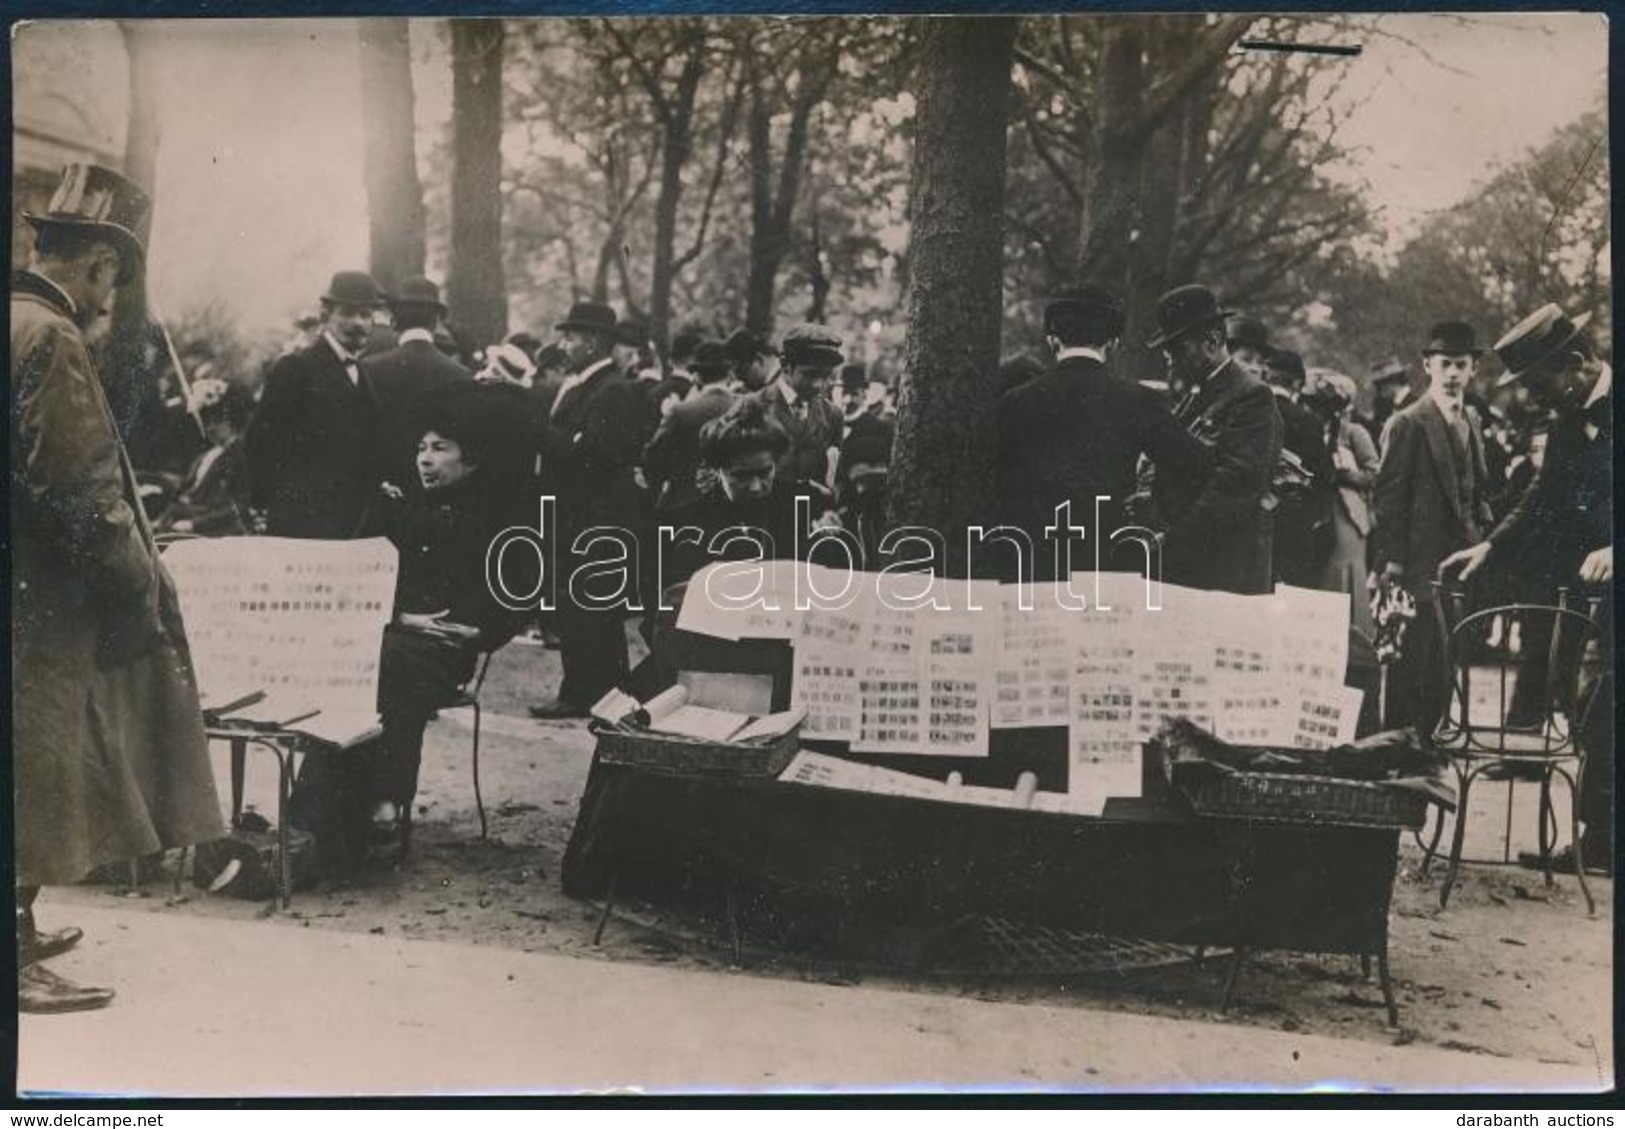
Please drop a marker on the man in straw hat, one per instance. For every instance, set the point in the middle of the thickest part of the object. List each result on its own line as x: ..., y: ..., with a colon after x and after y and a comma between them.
x: 1218, y: 529
x: 108, y: 750
x: 313, y: 448
x: 400, y: 376
x: 1429, y: 501
x: 1567, y: 515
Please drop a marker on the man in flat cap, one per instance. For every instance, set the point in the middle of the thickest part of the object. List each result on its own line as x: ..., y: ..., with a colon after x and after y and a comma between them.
x: 400, y: 376
x: 1076, y: 433
x: 798, y: 401
x: 108, y: 752
x: 1428, y: 502
x: 314, y: 457
x: 591, y: 447
x: 1218, y: 526
x: 1567, y: 517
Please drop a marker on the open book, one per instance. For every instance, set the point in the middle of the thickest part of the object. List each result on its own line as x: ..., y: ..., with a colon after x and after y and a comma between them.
x: 673, y: 714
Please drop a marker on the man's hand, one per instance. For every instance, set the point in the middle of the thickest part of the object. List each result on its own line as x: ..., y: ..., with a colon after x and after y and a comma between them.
x: 1468, y: 561
x: 1598, y: 567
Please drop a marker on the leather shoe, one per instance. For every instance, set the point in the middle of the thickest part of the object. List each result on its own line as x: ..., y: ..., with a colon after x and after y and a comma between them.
x: 558, y: 710
x: 44, y: 946
x: 42, y: 992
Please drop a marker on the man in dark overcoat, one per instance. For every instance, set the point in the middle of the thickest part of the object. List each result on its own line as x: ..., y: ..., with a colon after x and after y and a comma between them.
x: 671, y: 462
x: 1566, y: 518
x: 108, y: 750
x: 400, y: 376
x: 1428, y: 502
x: 600, y: 422
x: 1076, y: 433
x: 1218, y: 529
x: 313, y: 449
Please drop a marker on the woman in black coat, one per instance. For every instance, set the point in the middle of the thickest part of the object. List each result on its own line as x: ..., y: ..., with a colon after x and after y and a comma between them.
x: 445, y: 614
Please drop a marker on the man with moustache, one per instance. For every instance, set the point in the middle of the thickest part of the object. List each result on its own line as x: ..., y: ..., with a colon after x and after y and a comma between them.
x: 108, y: 750
x: 1216, y: 523
x: 1429, y: 502
x: 315, y: 460
x: 591, y: 446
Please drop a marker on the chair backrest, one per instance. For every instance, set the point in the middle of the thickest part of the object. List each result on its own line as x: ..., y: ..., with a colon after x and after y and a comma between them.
x: 1517, y: 698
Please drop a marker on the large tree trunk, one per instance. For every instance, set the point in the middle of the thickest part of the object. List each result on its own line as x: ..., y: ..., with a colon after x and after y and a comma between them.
x: 132, y: 364
x: 767, y: 244
x: 942, y: 462
x: 475, y: 292
x: 394, y: 194
x: 1111, y: 196
x: 677, y: 143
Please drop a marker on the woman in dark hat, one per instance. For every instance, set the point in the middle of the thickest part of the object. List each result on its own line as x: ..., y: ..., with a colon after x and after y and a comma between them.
x: 445, y: 615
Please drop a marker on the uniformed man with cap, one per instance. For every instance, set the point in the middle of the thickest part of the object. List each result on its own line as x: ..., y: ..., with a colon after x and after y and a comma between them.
x: 108, y: 754
x: 1567, y: 514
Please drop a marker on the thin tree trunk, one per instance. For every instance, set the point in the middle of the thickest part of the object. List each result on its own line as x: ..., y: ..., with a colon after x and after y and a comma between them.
x: 475, y: 290
x: 943, y: 456
x: 394, y: 193
x: 132, y: 368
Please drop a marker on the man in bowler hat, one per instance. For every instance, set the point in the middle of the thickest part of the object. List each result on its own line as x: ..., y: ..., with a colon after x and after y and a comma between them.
x: 1076, y: 433
x: 400, y: 376
x: 1217, y: 523
x: 108, y: 753
x: 1428, y: 501
x: 591, y: 447
x: 1567, y: 517
x: 314, y: 456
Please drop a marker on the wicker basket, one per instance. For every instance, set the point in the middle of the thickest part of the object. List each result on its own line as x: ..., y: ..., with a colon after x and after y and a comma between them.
x: 1274, y: 798
x: 686, y: 756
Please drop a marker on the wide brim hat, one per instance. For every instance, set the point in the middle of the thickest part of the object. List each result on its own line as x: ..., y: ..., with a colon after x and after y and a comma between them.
x: 417, y: 291
x: 589, y: 317
x: 1452, y: 339
x: 1535, y: 339
x: 1184, y: 310
x: 744, y: 346
x: 354, y: 288
x: 94, y: 198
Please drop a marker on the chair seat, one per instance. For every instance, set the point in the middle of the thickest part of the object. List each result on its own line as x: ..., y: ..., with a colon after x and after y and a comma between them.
x: 1498, y: 744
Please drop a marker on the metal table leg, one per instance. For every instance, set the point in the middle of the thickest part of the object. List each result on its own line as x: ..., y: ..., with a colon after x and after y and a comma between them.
x: 1387, y: 987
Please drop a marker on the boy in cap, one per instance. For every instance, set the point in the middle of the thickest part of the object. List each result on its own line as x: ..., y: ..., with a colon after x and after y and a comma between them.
x: 1429, y: 501
x: 798, y: 402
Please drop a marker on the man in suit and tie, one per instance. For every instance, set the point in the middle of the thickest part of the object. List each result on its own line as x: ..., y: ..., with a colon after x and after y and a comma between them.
x: 591, y: 446
x: 401, y: 375
x: 1429, y: 503
x: 313, y: 450
x: 798, y: 401
x: 1218, y: 530
x: 1077, y: 432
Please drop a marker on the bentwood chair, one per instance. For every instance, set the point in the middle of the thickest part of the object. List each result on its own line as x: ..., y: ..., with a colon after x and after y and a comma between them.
x: 1514, y: 717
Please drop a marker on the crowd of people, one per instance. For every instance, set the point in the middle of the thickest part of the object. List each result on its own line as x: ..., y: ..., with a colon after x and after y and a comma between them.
x: 1244, y: 468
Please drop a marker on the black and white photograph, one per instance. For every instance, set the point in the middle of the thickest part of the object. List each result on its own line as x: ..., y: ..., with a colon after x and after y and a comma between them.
x: 1064, y: 554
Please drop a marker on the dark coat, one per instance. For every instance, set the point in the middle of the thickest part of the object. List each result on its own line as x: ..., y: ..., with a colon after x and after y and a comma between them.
x: 214, y: 499
x: 1418, y: 518
x: 108, y: 752
x: 313, y: 447
x: 1219, y: 525
x: 807, y: 458
x: 592, y: 446
x: 399, y: 377
x: 1303, y: 519
x: 1076, y: 433
x: 671, y: 462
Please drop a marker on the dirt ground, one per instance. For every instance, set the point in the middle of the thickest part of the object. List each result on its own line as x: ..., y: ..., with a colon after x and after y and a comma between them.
x: 1512, y: 968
